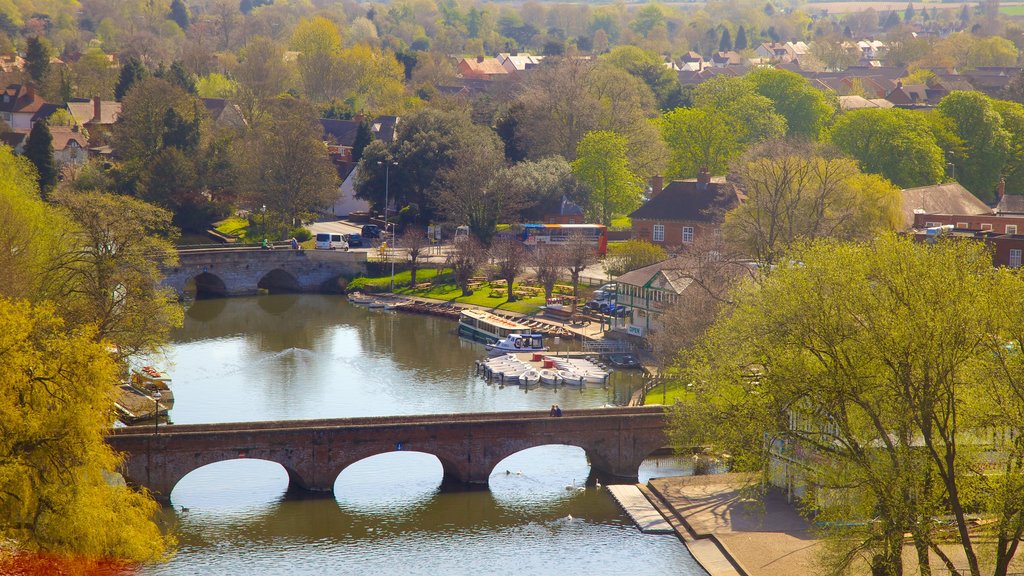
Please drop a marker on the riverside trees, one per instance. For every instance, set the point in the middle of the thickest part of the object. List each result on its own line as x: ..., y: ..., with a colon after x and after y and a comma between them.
x: 888, y: 374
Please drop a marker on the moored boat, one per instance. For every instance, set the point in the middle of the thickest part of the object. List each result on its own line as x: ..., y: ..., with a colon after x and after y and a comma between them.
x: 488, y: 328
x: 548, y: 376
x: 518, y: 343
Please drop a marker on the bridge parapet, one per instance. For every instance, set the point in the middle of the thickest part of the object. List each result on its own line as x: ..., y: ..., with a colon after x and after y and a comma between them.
x: 241, y: 271
x: 469, y: 446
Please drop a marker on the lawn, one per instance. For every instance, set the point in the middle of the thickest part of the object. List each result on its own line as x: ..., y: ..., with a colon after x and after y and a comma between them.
x: 667, y: 393
x: 621, y: 223
x: 234, y: 226
x: 1012, y: 10
x: 443, y: 288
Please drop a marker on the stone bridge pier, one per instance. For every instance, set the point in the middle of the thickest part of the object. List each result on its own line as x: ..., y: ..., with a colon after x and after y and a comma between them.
x: 244, y: 271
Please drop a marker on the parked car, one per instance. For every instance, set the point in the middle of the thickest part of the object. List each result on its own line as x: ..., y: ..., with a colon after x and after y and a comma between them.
x: 354, y: 240
x: 330, y: 241
x: 371, y: 231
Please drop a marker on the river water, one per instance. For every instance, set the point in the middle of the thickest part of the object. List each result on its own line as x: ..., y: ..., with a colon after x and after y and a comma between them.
x: 285, y: 357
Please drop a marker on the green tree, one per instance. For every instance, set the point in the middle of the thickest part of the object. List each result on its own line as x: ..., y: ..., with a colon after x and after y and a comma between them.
x: 843, y: 359
x: 465, y: 193
x: 798, y: 192
x: 283, y: 164
x: 601, y: 165
x: 38, y: 52
x: 738, y: 98
x: 122, y: 244
x: 648, y: 67
x: 986, y: 143
x: 896, y: 143
x: 39, y: 151
x: 806, y: 109
x: 94, y: 75
x: 151, y: 111
x: 630, y: 255
x: 261, y: 76
x: 132, y: 71
x: 700, y: 138
x: 55, y: 407
x: 741, y: 39
x: 1012, y: 115
x: 216, y: 86
x: 180, y: 14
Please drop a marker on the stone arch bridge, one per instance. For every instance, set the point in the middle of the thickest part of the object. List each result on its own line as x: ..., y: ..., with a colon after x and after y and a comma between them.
x: 469, y: 446
x: 245, y: 270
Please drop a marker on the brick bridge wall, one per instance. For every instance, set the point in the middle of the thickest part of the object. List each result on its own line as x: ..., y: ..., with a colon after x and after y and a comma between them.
x: 469, y: 446
x: 238, y: 271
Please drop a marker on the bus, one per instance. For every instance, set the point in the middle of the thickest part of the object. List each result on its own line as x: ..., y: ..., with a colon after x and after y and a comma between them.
x: 535, y: 234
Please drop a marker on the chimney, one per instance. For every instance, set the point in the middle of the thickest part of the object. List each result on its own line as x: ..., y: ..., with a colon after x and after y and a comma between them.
x: 1000, y: 189
x: 899, y: 84
x: 96, y: 108
x: 657, y: 185
x: 479, y: 59
x: 703, y: 178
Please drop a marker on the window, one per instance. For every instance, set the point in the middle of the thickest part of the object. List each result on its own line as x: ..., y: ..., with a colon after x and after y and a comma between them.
x: 687, y: 234
x: 962, y: 225
x: 932, y: 224
x: 1011, y: 228
x: 986, y: 227
x: 1014, y: 257
x: 658, y: 234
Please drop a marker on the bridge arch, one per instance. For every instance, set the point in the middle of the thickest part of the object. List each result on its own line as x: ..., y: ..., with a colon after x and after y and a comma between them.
x: 249, y: 478
x: 208, y: 285
x: 279, y: 281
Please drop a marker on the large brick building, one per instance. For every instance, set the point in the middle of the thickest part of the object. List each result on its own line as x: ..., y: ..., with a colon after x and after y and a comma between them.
x: 685, y: 211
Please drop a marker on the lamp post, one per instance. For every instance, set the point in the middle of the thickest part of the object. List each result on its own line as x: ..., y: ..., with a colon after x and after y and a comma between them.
x: 394, y: 239
x: 387, y: 182
x: 156, y: 412
x: 263, y: 212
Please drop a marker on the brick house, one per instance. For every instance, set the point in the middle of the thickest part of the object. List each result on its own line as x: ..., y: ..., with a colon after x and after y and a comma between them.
x: 481, y: 68
x: 684, y: 211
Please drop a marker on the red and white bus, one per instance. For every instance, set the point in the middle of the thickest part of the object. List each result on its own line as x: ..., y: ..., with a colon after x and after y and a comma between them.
x: 536, y: 234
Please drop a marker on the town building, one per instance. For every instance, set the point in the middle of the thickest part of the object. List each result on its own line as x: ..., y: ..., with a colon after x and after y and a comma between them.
x: 685, y: 211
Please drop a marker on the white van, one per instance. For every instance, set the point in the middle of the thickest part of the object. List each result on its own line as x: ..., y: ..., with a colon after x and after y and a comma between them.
x: 331, y: 241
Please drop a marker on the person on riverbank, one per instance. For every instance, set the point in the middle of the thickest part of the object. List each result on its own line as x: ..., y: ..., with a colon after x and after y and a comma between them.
x: 554, y: 410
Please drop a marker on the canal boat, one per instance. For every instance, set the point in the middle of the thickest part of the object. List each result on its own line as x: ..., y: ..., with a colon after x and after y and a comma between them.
x: 518, y: 343
x: 487, y: 328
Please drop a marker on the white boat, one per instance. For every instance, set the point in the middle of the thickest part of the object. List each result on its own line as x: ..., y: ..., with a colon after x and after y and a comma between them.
x: 518, y: 342
x: 488, y: 328
x: 361, y: 299
x: 570, y: 378
x: 548, y: 376
x: 529, y: 378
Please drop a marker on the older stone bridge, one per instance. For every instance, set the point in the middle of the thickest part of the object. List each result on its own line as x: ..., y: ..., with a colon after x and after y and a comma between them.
x: 469, y: 446
x: 244, y: 271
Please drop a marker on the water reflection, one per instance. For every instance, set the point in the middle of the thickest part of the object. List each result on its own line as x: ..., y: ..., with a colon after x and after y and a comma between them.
x: 299, y: 356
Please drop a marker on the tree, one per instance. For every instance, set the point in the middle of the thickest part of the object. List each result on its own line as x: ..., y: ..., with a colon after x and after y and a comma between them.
x: 648, y: 67
x: 601, y: 165
x: 699, y: 139
x: 372, y: 80
x: 510, y: 257
x: 261, y: 76
x: 725, y: 44
x: 112, y: 271
x: 94, y: 75
x: 283, y: 164
x: 132, y: 71
x: 464, y: 190
x: 577, y: 253
x: 538, y: 187
x: 895, y: 143
x: 38, y: 52
x: 841, y: 359
x: 1012, y: 115
x: 798, y: 192
x: 630, y: 255
x: 148, y: 111
x: 741, y: 39
x: 414, y: 240
x: 804, y: 107
x: 180, y: 14
x: 464, y: 259
x: 985, y: 141
x: 39, y: 151
x: 547, y: 262
x: 738, y: 98
x: 55, y: 407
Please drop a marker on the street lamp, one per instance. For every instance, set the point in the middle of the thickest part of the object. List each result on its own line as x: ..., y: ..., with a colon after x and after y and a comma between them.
x: 156, y: 412
x: 263, y: 211
x: 394, y: 239
x: 387, y: 182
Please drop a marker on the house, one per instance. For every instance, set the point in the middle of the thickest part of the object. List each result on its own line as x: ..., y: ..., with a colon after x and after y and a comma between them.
x: 685, y: 211
x: 569, y: 212
x: 949, y: 198
x: 96, y: 116
x: 340, y: 138
x: 224, y: 113
x: 855, y: 102
x: 516, y: 62
x: 728, y: 59
x: 909, y: 95
x: 70, y: 146
x: 692, y: 62
x: 346, y: 202
x: 481, y: 68
x: 694, y: 77
x: 18, y: 104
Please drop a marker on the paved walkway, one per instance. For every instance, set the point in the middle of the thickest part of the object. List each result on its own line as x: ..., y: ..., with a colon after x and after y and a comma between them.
x: 729, y: 534
x: 639, y: 508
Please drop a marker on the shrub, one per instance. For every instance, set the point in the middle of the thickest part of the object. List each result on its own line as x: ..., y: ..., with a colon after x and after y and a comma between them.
x: 301, y: 234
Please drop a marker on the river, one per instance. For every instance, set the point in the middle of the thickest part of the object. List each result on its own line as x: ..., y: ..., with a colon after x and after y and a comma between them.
x: 287, y: 357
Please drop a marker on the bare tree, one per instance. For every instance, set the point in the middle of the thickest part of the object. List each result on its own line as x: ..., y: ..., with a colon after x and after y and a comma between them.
x: 464, y: 260
x: 510, y: 256
x: 712, y: 269
x: 547, y: 260
x: 414, y: 240
x: 578, y: 253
